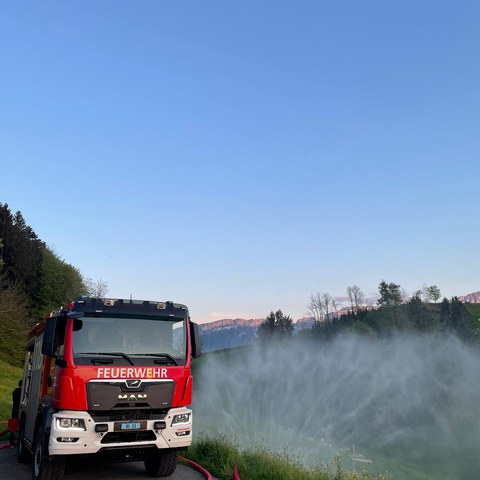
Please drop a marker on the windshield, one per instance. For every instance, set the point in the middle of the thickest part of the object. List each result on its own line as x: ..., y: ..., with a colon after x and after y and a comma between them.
x: 133, y: 337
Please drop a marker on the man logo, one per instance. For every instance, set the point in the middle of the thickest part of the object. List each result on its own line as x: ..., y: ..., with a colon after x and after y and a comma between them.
x: 133, y: 383
x: 131, y: 397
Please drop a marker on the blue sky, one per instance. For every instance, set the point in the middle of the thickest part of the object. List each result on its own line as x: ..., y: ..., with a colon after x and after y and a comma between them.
x: 240, y: 156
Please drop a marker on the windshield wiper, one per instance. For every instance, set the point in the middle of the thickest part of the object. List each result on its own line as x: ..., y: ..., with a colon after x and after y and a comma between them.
x: 112, y: 354
x: 160, y: 355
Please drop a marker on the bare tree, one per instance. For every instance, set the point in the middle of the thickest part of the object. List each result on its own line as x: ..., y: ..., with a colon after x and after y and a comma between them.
x: 323, y: 306
x: 356, y: 296
x: 327, y: 305
x: 334, y: 313
x: 315, y: 307
x: 96, y: 288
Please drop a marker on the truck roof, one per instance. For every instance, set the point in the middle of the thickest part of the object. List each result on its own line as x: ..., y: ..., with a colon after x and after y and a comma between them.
x: 120, y: 305
x: 117, y: 306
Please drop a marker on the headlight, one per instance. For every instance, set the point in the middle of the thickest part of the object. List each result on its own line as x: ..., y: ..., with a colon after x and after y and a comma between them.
x: 181, y: 419
x: 71, y: 423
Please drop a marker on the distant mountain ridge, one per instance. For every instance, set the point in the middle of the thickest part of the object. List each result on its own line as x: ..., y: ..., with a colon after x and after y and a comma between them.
x: 228, y: 323
x: 470, y: 298
x: 304, y: 322
x: 228, y: 333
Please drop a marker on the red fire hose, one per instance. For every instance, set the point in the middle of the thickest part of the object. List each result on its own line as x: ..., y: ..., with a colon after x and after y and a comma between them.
x: 198, y: 467
x: 235, y: 473
x: 205, y: 472
x: 12, y: 428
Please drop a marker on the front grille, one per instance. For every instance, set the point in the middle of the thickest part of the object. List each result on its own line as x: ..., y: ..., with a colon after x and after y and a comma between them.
x: 126, y: 415
x: 104, y: 396
x: 129, y: 437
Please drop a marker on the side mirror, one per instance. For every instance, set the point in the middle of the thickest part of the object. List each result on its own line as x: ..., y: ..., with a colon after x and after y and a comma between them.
x: 196, y: 340
x: 54, y: 334
x: 49, y: 336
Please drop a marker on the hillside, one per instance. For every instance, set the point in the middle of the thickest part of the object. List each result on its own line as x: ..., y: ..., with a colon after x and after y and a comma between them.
x: 34, y: 280
x: 456, y: 315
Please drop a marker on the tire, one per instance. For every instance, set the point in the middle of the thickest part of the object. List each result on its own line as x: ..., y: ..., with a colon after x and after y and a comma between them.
x: 23, y: 454
x: 161, y: 463
x: 44, y: 467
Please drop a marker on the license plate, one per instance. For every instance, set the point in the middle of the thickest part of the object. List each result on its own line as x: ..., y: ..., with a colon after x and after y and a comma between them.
x: 122, y: 426
x: 130, y: 426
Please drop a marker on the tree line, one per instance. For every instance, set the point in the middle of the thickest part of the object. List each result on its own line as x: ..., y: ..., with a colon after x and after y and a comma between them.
x: 392, y: 311
x: 34, y: 280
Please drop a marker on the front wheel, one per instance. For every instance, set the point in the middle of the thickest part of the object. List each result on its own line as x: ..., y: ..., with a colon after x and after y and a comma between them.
x: 43, y: 466
x: 161, y: 463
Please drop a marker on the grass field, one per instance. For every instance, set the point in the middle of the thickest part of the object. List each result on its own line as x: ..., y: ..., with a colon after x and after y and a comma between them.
x: 219, y: 455
x: 474, y: 319
x: 474, y: 310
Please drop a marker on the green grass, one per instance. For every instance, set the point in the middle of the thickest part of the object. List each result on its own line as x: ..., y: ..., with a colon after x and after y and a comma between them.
x: 10, y: 376
x: 473, y: 308
x: 473, y: 311
x: 219, y: 455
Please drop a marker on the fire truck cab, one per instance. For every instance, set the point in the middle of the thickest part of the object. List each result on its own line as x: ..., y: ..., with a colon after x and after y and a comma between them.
x: 111, y: 378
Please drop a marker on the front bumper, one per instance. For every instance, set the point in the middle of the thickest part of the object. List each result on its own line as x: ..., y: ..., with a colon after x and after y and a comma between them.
x: 75, y: 441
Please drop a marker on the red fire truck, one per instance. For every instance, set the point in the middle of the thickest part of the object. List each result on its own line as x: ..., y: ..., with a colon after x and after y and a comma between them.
x: 111, y: 378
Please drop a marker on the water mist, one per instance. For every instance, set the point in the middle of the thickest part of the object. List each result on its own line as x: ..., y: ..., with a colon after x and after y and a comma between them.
x: 407, y: 401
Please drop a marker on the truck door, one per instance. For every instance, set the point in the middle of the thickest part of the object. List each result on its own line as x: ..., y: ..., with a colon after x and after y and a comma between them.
x: 34, y: 391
